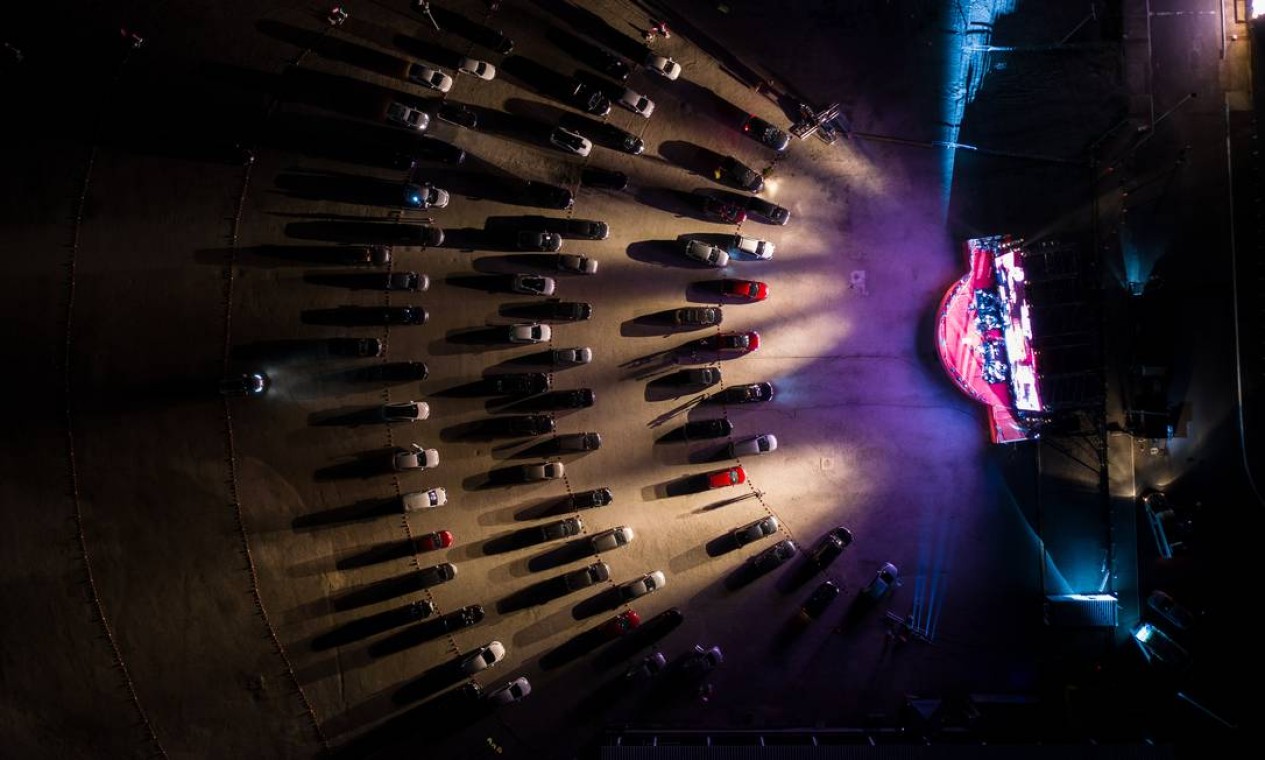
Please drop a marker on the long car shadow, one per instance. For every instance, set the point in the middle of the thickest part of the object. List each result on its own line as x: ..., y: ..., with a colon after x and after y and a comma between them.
x: 370, y: 625
x: 361, y: 511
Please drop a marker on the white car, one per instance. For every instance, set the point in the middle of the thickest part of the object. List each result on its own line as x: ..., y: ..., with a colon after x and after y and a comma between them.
x: 509, y: 693
x: 405, y: 411
x: 418, y: 500
x: 637, y: 103
x: 706, y: 253
x: 483, y: 658
x: 474, y: 67
x: 571, y: 357
x: 428, y: 77
x: 425, y: 196
x: 612, y: 539
x: 576, y: 264
x: 646, y: 584
x: 760, y: 444
x: 534, y: 284
x: 571, y: 142
x: 408, y: 116
x: 543, y: 471
x: 530, y: 333
x: 663, y: 66
x: 761, y: 249
x: 416, y: 458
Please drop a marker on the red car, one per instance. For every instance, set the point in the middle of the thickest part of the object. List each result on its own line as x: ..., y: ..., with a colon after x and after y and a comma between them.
x: 620, y: 624
x: 441, y: 539
x: 732, y: 342
x: 749, y: 290
x: 730, y: 477
x: 730, y: 213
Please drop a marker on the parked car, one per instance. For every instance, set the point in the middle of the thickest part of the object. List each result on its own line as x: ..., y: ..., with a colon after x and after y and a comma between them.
x: 831, y: 546
x: 457, y: 114
x: 819, y: 600
x: 602, y: 59
x: 611, y: 136
x: 605, y: 179
x: 546, y: 196
x: 576, y: 264
x: 408, y: 116
x: 646, y: 584
x: 723, y: 211
x: 570, y: 357
x: 533, y: 284
x: 567, y: 311
x: 732, y: 342
x: 429, y: 542
x: 765, y: 133
x: 430, y: 149
x: 702, y: 429
x: 511, y: 692
x: 663, y: 66
x: 706, y: 253
x: 1159, y: 646
x: 520, y: 383
x: 620, y: 624
x: 483, y: 658
x: 529, y: 424
x: 774, y: 556
x: 650, y: 666
x: 745, y: 394
x: 637, y: 103
x: 612, y: 539
x: 767, y: 212
x: 760, y: 249
x: 542, y: 471
x: 731, y: 476
x: 733, y: 172
x: 373, y: 255
x: 598, y: 497
x: 465, y: 617
x: 399, y: 315
x: 410, y: 281
x: 702, y: 661
x: 586, y: 576
x: 748, y: 290
x: 701, y: 376
x: 428, y: 77
x: 589, y: 99
x: 436, y: 574
x: 360, y: 347
x: 578, y: 398
x: 697, y: 316
x: 424, y: 196
x: 579, y: 442
x: 583, y: 229
x: 1166, y: 606
x: 396, y: 372
x: 416, y: 458
x: 760, y: 444
x: 404, y: 411
x: 571, y: 142
x: 529, y: 333
x: 765, y: 526
x: 418, y: 500
x: 886, y: 579
x: 571, y: 526
x: 245, y: 384
x: 538, y: 240
x: 476, y: 68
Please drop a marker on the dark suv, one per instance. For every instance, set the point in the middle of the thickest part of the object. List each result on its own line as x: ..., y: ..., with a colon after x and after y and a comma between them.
x: 769, y: 213
x: 589, y: 99
x: 765, y: 133
x: 570, y: 311
x: 598, y: 497
x: 581, y: 229
x: 831, y: 546
x: 529, y: 424
x: 523, y: 383
x: 546, y: 196
x: 733, y: 172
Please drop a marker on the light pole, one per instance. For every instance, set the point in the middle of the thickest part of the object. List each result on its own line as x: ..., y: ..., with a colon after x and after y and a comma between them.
x: 423, y: 6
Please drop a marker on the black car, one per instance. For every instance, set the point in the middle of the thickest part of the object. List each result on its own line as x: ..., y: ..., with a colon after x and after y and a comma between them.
x: 819, y: 600
x: 575, y: 399
x: 769, y: 213
x: 589, y: 99
x: 605, y: 179
x: 546, y: 196
x: 396, y: 372
x: 586, y: 576
x: 568, y: 311
x: 745, y: 394
x: 698, y: 316
x: 436, y: 574
x: 520, y: 384
x: 717, y: 428
x: 613, y: 137
x: 463, y: 618
x: 245, y: 384
x: 529, y: 424
x: 603, y: 60
x: 398, y: 315
x: 571, y: 526
x: 580, y: 229
x: 774, y: 556
x: 831, y: 546
x: 579, y: 442
x: 765, y: 133
x: 456, y: 113
x: 430, y: 149
x: 356, y: 347
x: 411, y: 281
x: 598, y: 497
x: 733, y: 172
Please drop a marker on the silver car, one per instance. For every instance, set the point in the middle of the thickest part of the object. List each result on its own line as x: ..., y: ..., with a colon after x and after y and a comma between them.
x: 529, y: 333
x: 765, y: 526
x: 514, y: 691
x: 417, y: 500
x: 534, y: 284
x: 706, y: 253
x: 646, y: 584
x: 571, y: 357
x: 483, y: 658
x: 408, y: 116
x: 761, y: 249
x: 760, y: 444
x: 612, y: 539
